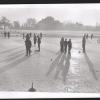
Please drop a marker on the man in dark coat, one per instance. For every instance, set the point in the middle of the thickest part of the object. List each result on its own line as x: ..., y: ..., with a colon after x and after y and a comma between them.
x: 65, y: 45
x: 91, y: 36
x: 41, y: 35
x: 27, y: 36
x: 69, y: 46
x: 39, y: 42
x: 23, y: 35
x: 8, y: 34
x: 83, y: 43
x: 5, y: 34
x: 62, y: 44
x: 35, y: 39
x: 28, y: 45
x: 30, y: 35
x: 87, y: 36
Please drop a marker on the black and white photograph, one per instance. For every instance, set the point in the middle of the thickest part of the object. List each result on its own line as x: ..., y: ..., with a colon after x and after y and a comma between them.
x: 51, y: 48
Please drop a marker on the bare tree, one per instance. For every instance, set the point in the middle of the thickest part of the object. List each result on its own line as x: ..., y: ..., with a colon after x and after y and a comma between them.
x: 16, y: 24
x: 31, y: 22
x: 4, y: 22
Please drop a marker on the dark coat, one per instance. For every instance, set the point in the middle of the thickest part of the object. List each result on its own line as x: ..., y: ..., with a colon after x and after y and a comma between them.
x: 83, y: 41
x: 39, y: 40
x: 65, y: 43
x: 28, y: 43
x: 69, y: 44
x: 27, y: 36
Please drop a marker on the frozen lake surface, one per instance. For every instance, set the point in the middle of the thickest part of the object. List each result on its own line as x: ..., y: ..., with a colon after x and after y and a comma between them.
x: 54, y: 33
x: 49, y: 70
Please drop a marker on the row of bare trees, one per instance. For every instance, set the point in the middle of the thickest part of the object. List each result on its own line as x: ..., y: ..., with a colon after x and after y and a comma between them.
x: 48, y: 23
x: 5, y: 23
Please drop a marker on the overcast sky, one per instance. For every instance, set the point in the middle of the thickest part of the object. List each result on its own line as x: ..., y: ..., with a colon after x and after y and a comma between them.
x: 88, y: 14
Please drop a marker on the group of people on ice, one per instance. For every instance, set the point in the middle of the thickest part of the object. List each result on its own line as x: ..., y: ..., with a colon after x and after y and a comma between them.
x: 86, y: 35
x: 65, y: 45
x: 6, y: 34
x: 28, y: 43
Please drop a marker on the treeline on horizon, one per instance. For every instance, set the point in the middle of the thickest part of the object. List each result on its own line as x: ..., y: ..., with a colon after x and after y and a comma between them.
x: 48, y: 23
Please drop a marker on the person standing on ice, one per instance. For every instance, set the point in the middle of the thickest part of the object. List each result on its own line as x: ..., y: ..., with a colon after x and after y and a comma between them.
x: 83, y: 43
x: 30, y: 35
x: 39, y: 41
x: 35, y: 39
x: 87, y: 36
x: 27, y: 36
x: 23, y: 35
x: 41, y: 35
x: 4, y: 34
x: 69, y: 46
x: 8, y: 34
x: 62, y: 44
x: 65, y: 45
x: 91, y: 36
x: 28, y: 45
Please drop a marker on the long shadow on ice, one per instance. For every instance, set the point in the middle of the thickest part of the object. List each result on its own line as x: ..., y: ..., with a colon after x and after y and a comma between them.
x: 16, y: 53
x: 64, y: 67
x: 60, y: 66
x: 13, y: 64
x: 13, y: 56
x: 10, y: 50
x: 51, y: 51
x: 54, y: 64
x: 90, y: 64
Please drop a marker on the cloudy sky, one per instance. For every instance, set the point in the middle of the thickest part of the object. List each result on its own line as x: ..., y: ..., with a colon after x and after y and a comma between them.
x: 88, y: 14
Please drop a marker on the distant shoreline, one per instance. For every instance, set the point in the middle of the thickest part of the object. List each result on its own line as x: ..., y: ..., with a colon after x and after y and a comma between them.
x: 29, y: 30
x: 54, y: 33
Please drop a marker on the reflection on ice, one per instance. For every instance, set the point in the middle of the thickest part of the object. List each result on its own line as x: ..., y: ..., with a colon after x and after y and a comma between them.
x: 62, y: 64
